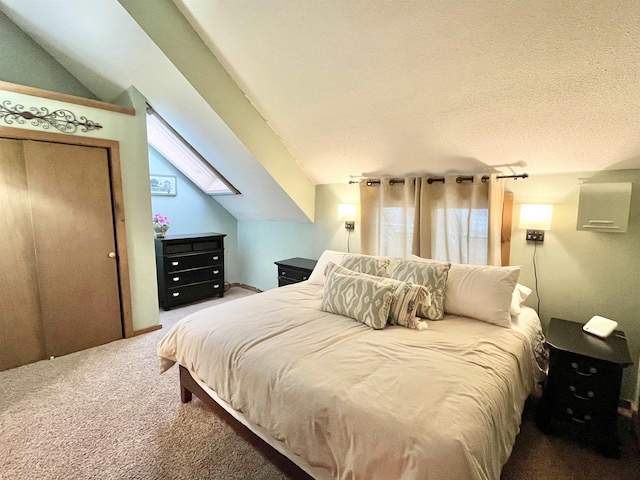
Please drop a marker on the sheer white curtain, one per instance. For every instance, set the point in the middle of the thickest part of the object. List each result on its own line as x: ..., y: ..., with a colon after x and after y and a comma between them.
x: 447, y: 221
x: 386, y: 216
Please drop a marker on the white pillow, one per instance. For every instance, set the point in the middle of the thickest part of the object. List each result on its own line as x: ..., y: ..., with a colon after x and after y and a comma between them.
x: 482, y: 292
x: 317, y: 276
x: 520, y: 294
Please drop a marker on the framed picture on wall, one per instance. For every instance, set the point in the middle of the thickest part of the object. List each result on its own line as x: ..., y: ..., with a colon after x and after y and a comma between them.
x: 164, y: 185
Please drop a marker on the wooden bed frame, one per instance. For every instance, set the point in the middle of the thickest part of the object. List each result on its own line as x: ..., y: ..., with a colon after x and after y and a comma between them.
x: 189, y: 387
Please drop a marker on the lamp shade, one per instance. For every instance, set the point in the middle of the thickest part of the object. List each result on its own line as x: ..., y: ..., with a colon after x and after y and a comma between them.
x: 536, y: 217
x: 347, y: 212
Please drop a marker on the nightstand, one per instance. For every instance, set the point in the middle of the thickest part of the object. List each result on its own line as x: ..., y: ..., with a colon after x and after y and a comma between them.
x: 582, y: 390
x: 294, y: 270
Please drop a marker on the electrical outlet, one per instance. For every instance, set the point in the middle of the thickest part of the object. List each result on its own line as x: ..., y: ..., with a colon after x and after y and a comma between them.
x: 535, y: 236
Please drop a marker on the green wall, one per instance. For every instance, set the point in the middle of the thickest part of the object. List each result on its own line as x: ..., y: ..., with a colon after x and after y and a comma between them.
x: 193, y: 211
x: 262, y: 243
x: 24, y: 62
x: 582, y: 274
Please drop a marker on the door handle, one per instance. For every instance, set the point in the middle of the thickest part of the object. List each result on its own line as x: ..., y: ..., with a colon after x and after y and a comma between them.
x: 112, y: 254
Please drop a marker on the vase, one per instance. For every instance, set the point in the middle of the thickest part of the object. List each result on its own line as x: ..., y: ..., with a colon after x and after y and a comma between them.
x: 161, y: 230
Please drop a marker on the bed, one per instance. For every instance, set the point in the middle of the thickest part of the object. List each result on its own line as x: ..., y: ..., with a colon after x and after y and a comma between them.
x: 342, y: 400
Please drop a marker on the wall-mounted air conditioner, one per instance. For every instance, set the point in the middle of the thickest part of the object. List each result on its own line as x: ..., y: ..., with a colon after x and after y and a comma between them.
x: 604, y: 207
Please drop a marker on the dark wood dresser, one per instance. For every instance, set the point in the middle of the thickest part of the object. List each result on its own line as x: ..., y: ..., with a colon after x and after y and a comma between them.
x: 294, y: 270
x: 189, y: 267
x: 582, y: 389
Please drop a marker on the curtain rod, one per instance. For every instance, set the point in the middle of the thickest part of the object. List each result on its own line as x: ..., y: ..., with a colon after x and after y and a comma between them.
x: 430, y: 180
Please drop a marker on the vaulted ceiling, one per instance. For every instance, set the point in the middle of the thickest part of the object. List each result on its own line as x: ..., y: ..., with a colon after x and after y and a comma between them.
x: 334, y: 89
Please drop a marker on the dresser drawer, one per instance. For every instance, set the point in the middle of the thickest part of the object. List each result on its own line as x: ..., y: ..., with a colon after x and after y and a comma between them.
x: 196, y: 246
x: 179, y: 295
x: 196, y: 275
x: 174, y: 263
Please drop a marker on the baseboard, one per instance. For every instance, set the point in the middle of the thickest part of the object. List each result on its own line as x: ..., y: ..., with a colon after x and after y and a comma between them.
x: 625, y: 408
x: 146, y: 330
x: 246, y: 287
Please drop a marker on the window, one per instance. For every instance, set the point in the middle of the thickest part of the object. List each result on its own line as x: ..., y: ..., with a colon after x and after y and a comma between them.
x: 184, y: 157
x: 460, y: 235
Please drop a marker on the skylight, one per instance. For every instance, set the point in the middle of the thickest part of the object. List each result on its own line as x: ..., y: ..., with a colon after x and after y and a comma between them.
x: 184, y: 157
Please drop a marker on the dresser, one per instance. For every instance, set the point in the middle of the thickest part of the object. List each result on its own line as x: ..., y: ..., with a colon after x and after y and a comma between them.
x: 294, y: 270
x: 581, y: 393
x: 189, y: 267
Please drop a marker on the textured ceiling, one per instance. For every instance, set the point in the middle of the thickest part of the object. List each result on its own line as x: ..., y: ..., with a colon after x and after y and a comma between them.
x: 380, y: 87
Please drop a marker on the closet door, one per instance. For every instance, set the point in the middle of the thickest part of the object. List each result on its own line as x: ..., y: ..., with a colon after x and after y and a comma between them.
x: 21, y: 335
x: 71, y: 208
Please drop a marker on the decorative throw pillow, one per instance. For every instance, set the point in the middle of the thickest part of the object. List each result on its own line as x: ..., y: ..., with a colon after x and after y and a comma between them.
x: 407, y: 297
x: 362, y: 299
x: 482, y: 292
x: 317, y: 276
x: 432, y: 275
x: 369, y: 264
x: 520, y: 294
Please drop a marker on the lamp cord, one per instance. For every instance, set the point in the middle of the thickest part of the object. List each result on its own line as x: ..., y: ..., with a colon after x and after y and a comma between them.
x: 348, y: 241
x: 535, y: 274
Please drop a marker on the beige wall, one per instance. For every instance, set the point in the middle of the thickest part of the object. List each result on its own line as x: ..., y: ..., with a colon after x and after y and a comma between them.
x: 582, y: 274
x: 130, y: 132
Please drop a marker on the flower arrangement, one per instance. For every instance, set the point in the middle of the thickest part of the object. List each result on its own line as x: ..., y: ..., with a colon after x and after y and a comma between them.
x: 161, y: 225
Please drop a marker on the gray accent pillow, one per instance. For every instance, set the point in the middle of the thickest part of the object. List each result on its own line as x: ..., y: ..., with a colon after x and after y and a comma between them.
x: 362, y: 299
x: 432, y: 275
x: 369, y: 264
x: 407, y: 297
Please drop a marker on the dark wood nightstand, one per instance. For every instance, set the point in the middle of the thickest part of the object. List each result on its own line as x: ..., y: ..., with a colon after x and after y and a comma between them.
x: 582, y: 390
x: 294, y: 270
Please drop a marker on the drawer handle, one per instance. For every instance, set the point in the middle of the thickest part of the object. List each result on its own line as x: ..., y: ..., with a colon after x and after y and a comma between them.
x: 176, y: 294
x: 592, y: 370
x: 175, y: 264
x: 217, y: 285
x: 216, y: 257
x: 284, y: 274
x: 216, y: 272
x: 175, y: 279
x: 585, y: 419
x: 304, y: 278
x: 590, y: 394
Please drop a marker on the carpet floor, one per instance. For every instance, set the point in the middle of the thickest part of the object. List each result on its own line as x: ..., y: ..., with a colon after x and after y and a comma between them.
x: 107, y: 413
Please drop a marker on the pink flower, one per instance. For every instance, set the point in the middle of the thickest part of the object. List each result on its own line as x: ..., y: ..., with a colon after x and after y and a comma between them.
x: 161, y: 219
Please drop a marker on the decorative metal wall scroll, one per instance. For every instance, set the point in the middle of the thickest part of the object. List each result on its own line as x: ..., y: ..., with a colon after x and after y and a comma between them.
x: 61, y: 119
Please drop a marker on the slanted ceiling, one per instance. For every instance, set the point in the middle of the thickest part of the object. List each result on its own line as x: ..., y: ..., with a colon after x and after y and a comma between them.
x: 367, y: 87
x: 378, y: 86
x: 105, y: 48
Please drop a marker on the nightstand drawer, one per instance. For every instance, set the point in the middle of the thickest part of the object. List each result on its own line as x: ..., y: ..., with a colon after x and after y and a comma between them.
x: 196, y: 275
x: 293, y: 274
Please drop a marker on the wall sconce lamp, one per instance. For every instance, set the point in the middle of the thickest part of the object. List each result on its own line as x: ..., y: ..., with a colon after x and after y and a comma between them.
x: 536, y: 219
x: 347, y: 212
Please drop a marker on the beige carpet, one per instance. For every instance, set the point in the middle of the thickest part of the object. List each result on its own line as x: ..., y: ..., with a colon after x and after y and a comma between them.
x: 106, y: 413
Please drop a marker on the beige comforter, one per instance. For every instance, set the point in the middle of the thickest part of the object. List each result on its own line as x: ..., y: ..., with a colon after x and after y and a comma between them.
x: 357, y: 403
